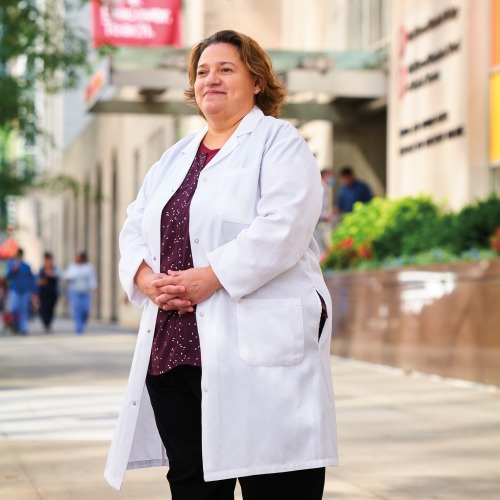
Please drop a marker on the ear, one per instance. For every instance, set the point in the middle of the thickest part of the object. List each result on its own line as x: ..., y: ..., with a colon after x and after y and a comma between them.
x: 257, y: 86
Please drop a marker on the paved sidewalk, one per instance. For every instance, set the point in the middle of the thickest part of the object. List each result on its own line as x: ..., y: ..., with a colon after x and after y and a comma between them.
x: 401, y: 436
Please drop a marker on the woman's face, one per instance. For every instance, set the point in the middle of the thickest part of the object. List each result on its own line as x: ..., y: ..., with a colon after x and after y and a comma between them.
x: 224, y: 87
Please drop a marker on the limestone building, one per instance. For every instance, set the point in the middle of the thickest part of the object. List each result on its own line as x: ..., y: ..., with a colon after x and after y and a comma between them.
x: 405, y: 92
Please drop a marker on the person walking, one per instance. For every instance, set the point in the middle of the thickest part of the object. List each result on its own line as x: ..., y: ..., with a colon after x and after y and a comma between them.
x: 351, y: 191
x: 233, y: 353
x: 323, y: 229
x: 81, y: 281
x: 48, y: 290
x: 21, y: 287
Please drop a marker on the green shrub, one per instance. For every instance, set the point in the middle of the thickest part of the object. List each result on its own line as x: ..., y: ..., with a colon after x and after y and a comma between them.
x: 476, y: 223
x: 365, y: 223
x: 413, y: 231
x: 414, y: 225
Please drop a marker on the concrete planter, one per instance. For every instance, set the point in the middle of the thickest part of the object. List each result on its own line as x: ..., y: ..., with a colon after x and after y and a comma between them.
x: 442, y: 319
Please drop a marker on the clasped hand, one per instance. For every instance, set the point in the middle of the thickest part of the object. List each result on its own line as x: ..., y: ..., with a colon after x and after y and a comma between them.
x: 181, y: 290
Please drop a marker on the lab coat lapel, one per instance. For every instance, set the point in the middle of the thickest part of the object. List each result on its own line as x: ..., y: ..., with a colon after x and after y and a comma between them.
x: 168, y: 186
x: 246, y: 126
x: 171, y: 183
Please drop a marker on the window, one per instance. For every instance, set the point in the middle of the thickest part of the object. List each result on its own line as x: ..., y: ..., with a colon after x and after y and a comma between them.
x: 368, y: 24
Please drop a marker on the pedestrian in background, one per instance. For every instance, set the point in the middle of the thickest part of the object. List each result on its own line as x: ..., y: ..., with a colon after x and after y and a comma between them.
x: 351, y: 191
x: 323, y: 229
x: 21, y: 287
x: 48, y: 290
x: 233, y: 352
x: 81, y: 281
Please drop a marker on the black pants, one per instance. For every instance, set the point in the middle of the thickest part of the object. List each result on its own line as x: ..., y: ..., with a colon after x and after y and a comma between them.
x: 47, y: 305
x: 176, y: 400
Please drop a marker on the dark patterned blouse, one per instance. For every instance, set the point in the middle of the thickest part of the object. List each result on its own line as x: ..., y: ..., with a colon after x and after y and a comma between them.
x: 176, y: 340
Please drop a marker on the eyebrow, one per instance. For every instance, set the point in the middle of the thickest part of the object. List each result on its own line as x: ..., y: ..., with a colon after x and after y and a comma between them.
x: 220, y: 63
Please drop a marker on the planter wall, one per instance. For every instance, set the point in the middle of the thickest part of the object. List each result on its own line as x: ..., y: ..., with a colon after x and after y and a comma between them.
x: 441, y: 319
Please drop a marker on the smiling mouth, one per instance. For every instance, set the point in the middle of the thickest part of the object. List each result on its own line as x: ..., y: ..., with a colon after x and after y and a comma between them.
x: 213, y: 92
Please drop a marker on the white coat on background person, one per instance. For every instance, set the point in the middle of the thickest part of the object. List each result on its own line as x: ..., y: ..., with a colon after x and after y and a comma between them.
x: 267, y: 402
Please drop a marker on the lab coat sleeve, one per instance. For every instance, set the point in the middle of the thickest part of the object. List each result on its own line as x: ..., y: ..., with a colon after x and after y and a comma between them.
x: 287, y: 212
x: 133, y: 246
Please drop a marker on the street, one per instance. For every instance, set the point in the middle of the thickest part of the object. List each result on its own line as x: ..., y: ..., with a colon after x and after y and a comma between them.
x: 402, y: 436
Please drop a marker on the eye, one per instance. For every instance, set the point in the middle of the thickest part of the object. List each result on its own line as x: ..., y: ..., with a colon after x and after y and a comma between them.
x: 201, y: 72
x: 226, y: 70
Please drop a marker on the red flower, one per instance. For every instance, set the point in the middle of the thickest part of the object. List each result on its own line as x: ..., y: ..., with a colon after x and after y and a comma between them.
x: 495, y: 240
x: 364, y: 251
x: 347, y: 243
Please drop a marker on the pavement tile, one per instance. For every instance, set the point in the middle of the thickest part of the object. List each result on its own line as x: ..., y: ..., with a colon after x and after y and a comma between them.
x: 402, y: 435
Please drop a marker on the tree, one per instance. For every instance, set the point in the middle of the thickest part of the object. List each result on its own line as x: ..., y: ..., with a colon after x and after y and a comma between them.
x: 38, y: 46
x: 39, y: 49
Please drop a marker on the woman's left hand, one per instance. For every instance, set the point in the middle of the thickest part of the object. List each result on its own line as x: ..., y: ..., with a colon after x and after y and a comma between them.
x: 200, y: 283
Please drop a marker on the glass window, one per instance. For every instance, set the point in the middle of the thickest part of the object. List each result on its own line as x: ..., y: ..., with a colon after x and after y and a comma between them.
x: 368, y: 24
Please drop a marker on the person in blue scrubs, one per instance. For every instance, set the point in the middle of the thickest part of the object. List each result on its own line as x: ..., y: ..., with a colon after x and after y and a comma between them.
x: 21, y: 286
x: 351, y: 191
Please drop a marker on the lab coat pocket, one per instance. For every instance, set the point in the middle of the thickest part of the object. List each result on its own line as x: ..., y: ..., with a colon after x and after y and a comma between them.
x: 270, y: 331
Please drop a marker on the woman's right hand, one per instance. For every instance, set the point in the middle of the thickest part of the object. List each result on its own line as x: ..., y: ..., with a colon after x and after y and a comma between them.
x: 166, y: 296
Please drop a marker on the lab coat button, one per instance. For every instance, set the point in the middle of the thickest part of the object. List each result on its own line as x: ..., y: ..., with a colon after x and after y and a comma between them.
x: 134, y: 403
x: 205, y: 389
x: 154, y: 258
x: 204, y: 179
x: 202, y: 314
x: 196, y: 240
x: 149, y: 331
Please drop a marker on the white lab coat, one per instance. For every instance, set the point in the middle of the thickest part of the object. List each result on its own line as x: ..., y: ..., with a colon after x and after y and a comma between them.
x: 267, y: 402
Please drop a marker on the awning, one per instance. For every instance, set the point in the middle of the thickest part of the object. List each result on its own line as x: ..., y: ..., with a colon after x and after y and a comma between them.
x: 152, y: 80
x: 8, y: 248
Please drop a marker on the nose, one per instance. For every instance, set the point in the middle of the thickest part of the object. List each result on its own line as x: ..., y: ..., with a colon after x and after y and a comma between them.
x: 212, y: 78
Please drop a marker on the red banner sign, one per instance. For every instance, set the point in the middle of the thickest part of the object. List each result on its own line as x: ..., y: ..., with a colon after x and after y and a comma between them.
x: 144, y: 23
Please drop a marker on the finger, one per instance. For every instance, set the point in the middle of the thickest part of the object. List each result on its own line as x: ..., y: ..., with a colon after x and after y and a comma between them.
x: 180, y: 303
x: 173, y: 302
x: 168, y: 280
x: 184, y: 310
x: 173, y: 273
x: 173, y: 290
x: 166, y: 307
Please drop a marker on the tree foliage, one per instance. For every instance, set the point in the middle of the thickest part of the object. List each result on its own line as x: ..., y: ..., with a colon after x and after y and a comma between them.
x: 40, y: 49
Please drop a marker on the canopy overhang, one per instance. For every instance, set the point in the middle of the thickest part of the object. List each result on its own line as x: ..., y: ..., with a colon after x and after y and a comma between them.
x: 321, y: 86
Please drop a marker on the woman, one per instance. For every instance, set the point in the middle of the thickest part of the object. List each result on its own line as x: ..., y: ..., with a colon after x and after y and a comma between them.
x: 48, y: 290
x: 81, y: 282
x: 218, y: 249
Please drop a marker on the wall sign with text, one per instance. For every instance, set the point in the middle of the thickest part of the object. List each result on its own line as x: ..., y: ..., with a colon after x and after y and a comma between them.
x: 143, y: 23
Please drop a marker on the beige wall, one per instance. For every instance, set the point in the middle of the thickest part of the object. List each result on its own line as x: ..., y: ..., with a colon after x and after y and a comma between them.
x: 477, y: 100
x: 275, y: 24
x: 112, y: 156
x: 454, y: 170
x: 114, y: 152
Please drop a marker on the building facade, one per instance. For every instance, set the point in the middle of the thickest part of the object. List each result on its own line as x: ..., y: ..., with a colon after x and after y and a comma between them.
x: 405, y: 92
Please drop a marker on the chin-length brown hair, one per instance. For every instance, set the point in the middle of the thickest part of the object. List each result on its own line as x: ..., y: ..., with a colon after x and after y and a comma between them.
x: 272, y: 94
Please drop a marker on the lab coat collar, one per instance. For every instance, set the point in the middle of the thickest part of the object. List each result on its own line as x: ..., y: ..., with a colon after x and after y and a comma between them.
x: 246, y: 126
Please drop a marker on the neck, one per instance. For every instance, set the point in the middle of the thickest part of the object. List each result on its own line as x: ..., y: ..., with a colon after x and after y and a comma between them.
x: 220, y: 130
